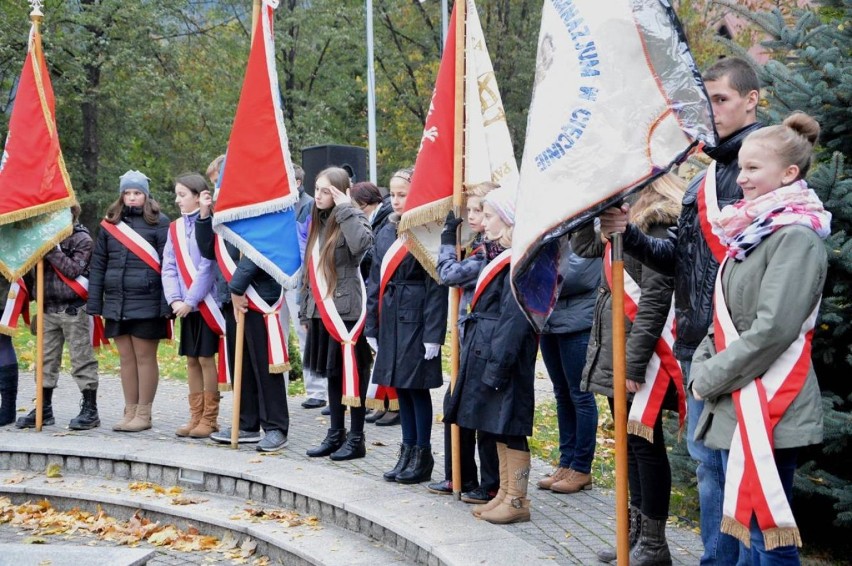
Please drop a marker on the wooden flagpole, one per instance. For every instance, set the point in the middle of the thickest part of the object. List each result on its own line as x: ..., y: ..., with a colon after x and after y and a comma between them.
x: 238, y: 314
x: 619, y: 387
x: 458, y: 178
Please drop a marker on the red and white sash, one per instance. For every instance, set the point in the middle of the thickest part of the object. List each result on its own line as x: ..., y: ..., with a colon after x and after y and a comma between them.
x: 331, y: 319
x: 489, y: 272
x: 752, y: 483
x: 209, y: 310
x: 279, y: 360
x: 377, y: 394
x: 708, y: 212
x: 17, y: 303
x: 133, y: 241
x: 80, y: 285
x: 662, y: 367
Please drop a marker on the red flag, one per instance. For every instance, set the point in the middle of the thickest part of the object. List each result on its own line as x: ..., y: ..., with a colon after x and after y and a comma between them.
x: 33, y: 179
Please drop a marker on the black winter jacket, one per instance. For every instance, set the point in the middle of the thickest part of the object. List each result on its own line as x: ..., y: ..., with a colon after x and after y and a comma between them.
x: 575, y: 306
x: 71, y: 257
x: 376, y: 225
x: 414, y: 312
x: 685, y: 254
x: 121, y: 285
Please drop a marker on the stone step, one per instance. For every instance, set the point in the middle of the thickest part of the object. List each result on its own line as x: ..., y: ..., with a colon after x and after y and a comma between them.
x: 25, y: 554
x: 212, y: 514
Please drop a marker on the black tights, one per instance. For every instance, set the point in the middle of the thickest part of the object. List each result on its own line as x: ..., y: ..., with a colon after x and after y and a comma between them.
x: 415, y: 416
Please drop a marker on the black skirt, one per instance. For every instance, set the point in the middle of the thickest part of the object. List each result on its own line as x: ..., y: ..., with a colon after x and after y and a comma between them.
x: 324, y: 356
x: 145, y: 328
x: 197, y: 340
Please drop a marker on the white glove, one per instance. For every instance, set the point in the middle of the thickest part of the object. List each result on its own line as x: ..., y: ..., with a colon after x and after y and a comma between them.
x: 374, y: 344
x: 431, y: 350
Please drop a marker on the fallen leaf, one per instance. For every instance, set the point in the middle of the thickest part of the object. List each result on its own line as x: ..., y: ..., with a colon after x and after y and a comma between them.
x: 255, y: 460
x: 17, y: 478
x: 378, y: 443
x: 53, y: 471
x: 34, y: 540
x: 186, y: 500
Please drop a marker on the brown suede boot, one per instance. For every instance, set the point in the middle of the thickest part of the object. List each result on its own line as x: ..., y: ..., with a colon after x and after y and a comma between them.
x: 515, y: 507
x: 560, y: 474
x: 209, y: 420
x: 504, y: 484
x: 574, y: 482
x: 196, y: 408
x: 129, y: 413
x: 142, y: 420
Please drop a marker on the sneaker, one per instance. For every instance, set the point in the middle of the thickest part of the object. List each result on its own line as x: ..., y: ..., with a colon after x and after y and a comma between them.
x: 245, y: 437
x: 479, y: 496
x: 273, y: 440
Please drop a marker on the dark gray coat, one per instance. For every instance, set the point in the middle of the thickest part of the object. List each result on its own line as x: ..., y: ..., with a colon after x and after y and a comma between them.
x: 494, y: 391
x: 414, y: 312
x: 575, y: 306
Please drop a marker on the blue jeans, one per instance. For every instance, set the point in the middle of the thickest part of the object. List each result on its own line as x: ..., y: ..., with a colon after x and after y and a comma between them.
x: 719, y: 548
x: 576, y: 412
x: 785, y: 461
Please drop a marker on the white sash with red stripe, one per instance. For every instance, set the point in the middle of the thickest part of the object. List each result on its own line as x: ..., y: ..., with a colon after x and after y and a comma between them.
x: 489, y: 272
x: 80, y: 285
x: 17, y: 303
x: 377, y: 394
x: 662, y: 367
x: 324, y: 299
x: 133, y: 241
x: 752, y: 483
x: 708, y: 212
x: 209, y: 310
x: 279, y: 360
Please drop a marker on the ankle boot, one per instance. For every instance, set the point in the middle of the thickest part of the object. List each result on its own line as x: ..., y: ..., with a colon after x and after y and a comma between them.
x: 560, y: 474
x: 196, y: 408
x: 635, y: 517
x: 129, y: 413
x: 29, y: 420
x: 401, y: 462
x: 515, y: 507
x: 142, y: 420
x: 419, y: 467
x: 88, y: 417
x: 652, y: 548
x: 8, y: 393
x: 354, y: 447
x: 209, y: 422
x: 334, y: 439
x: 504, y: 484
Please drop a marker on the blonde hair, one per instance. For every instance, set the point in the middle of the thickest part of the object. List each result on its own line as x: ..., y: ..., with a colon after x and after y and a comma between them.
x: 792, y: 141
x: 479, y: 190
x: 504, y: 238
x: 405, y: 174
x: 668, y: 187
x: 215, y: 165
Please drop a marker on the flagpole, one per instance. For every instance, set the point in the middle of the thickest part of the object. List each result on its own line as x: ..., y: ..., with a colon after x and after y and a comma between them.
x: 619, y: 386
x: 458, y: 177
x: 371, y: 94
x: 39, y: 344
x: 239, y: 315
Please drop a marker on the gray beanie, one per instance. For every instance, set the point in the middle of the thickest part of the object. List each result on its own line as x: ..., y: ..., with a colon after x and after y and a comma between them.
x: 134, y: 180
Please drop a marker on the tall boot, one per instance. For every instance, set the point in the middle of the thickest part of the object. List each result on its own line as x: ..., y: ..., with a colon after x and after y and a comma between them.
x: 88, y: 417
x: 419, y: 466
x: 635, y: 517
x: 29, y: 420
x: 129, y: 414
x: 142, y: 420
x: 196, y: 409
x: 354, y: 447
x: 405, y: 451
x: 504, y: 484
x: 652, y: 548
x: 8, y: 393
x: 515, y: 507
x: 209, y: 422
x: 334, y: 439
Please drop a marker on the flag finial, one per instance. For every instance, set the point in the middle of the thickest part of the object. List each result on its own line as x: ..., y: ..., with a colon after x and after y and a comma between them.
x: 36, y: 15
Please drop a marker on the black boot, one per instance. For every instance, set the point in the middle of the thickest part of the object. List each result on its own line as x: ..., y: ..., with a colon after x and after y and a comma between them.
x: 334, y: 439
x: 8, y: 393
x: 419, y: 466
x: 29, y: 420
x: 88, y: 417
x: 635, y: 516
x: 652, y: 548
x: 405, y: 451
x: 353, y: 448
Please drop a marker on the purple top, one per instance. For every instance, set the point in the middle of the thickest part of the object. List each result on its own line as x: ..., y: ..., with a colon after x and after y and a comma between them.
x: 173, y: 286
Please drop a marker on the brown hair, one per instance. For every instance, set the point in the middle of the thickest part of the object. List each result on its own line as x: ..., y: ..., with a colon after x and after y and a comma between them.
x: 215, y: 166
x: 298, y: 173
x: 792, y: 141
x: 365, y: 193
x: 741, y: 75
x: 150, y: 211
x: 192, y: 181
x: 331, y: 232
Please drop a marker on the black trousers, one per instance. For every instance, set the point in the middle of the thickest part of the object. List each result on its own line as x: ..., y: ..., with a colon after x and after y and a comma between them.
x: 263, y: 397
x: 489, y: 466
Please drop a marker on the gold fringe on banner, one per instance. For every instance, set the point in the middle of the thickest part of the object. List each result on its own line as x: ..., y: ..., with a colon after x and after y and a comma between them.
x: 375, y: 404
x: 422, y: 255
x: 351, y: 401
x: 781, y: 536
x: 225, y: 387
x: 737, y: 530
x: 6, y: 331
x: 393, y: 405
x: 279, y: 368
x: 35, y: 257
x: 637, y: 428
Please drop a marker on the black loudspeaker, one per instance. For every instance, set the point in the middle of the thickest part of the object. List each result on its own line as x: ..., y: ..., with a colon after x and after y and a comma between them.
x: 349, y: 157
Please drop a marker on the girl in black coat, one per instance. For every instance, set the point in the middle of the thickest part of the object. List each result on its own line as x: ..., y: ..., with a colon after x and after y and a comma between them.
x: 494, y: 393
x: 406, y: 327
x: 126, y: 289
